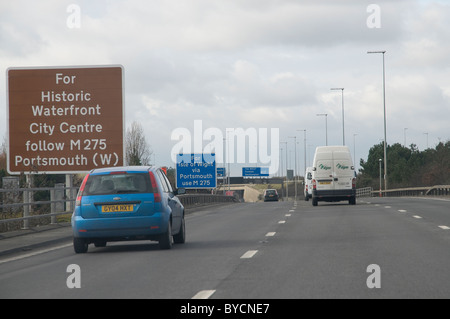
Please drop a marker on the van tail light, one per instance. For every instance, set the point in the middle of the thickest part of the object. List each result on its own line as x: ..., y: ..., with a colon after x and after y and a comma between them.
x: 80, y: 192
x: 156, y: 193
x: 314, y: 184
x: 353, y: 183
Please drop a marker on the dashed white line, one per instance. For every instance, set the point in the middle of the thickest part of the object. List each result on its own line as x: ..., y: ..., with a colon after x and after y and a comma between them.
x: 387, y: 206
x: 444, y: 227
x: 417, y: 216
x: 288, y: 215
x: 34, y: 253
x: 270, y: 234
x: 402, y: 210
x: 291, y: 211
x: 204, y: 294
x: 281, y: 222
x: 249, y: 254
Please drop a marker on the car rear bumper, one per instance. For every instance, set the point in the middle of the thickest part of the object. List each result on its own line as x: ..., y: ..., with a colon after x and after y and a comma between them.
x: 334, y: 195
x: 120, y: 227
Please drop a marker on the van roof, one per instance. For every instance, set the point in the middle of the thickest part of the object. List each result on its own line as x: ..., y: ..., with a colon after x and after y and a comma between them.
x: 340, y: 148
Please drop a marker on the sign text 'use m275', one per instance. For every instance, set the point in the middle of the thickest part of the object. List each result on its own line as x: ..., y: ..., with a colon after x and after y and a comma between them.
x: 65, y: 119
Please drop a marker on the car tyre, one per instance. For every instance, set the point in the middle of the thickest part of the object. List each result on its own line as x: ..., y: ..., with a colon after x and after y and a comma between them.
x: 100, y: 243
x: 180, y: 238
x: 165, y: 241
x: 80, y: 245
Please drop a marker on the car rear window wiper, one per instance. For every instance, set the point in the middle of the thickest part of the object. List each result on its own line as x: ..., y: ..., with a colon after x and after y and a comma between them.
x: 127, y: 191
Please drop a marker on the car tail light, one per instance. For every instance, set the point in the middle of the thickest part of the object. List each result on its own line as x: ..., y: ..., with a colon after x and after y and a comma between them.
x: 156, y: 193
x: 314, y: 183
x: 80, y: 192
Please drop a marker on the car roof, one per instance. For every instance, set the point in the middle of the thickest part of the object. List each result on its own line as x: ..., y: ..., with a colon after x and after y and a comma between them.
x: 129, y: 169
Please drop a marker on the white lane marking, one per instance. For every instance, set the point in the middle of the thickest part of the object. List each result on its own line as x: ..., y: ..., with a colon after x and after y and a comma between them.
x: 270, y: 234
x: 34, y: 253
x: 281, y: 222
x: 288, y: 215
x: 444, y: 227
x: 402, y: 210
x: 204, y: 294
x: 431, y: 198
x: 291, y: 211
x: 249, y: 254
x: 417, y: 216
x: 387, y: 206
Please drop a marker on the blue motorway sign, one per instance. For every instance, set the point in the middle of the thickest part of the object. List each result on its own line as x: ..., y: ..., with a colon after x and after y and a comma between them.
x: 196, y: 171
x: 255, y: 171
x: 221, y: 171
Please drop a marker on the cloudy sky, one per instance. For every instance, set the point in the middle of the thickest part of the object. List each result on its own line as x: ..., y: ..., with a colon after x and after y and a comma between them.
x: 252, y: 64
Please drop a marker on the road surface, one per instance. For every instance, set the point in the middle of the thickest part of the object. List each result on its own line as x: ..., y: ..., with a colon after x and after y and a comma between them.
x: 379, y: 248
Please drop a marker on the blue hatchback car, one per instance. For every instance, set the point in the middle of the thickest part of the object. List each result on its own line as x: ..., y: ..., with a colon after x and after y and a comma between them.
x: 127, y: 203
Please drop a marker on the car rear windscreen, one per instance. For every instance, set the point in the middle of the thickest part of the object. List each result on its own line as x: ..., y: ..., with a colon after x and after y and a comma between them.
x: 123, y: 183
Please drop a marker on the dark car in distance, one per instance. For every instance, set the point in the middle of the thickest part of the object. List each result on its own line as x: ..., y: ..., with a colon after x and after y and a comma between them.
x: 271, y: 195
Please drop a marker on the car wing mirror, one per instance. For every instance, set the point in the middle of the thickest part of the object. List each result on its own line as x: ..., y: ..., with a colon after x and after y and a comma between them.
x: 180, y: 191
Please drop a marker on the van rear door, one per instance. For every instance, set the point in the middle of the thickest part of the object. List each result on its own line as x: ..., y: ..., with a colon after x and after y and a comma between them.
x: 343, y: 170
x: 324, y: 174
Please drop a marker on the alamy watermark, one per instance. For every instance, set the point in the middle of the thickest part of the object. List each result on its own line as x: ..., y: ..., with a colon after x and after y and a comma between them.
x: 74, y: 19
x: 74, y: 279
x: 374, y: 279
x: 374, y: 19
x: 235, y: 145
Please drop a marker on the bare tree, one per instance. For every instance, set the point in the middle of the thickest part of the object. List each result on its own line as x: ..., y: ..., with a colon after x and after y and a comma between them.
x: 137, y: 150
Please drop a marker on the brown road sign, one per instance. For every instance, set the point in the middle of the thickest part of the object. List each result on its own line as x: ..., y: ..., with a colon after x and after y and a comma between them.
x: 65, y: 119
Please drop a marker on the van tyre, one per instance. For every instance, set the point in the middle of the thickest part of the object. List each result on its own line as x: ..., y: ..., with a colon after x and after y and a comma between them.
x: 80, y: 245
x: 314, y: 201
x: 352, y: 200
x: 180, y: 238
x: 165, y: 241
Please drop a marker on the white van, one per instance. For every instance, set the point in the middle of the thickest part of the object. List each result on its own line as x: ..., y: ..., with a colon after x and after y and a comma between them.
x: 308, y: 183
x: 333, y: 175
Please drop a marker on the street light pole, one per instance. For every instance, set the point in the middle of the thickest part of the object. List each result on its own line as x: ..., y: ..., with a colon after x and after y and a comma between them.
x: 287, y: 187
x: 404, y: 136
x: 354, y: 149
x: 326, y: 127
x: 384, y: 107
x: 295, y: 166
x: 343, y: 133
x: 380, y: 175
x: 304, y: 145
x: 426, y: 133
